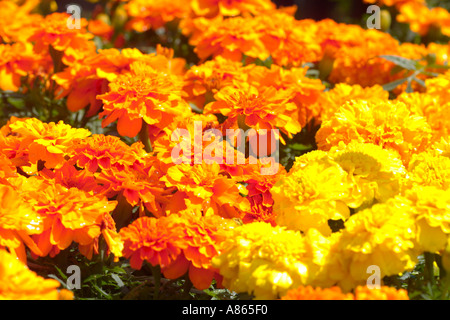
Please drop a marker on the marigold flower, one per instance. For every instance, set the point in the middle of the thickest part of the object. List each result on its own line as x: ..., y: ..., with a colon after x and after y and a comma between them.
x: 335, y: 293
x: 17, y: 24
x: 383, y: 293
x: 177, y: 243
x: 46, y: 141
x: 261, y: 108
x: 16, y: 61
x: 330, y: 101
x: 145, y: 94
x: 267, y: 261
x: 375, y: 173
x: 389, y: 124
x: 67, y: 214
x: 18, y: 221
x: 305, y: 90
x: 230, y: 38
x: 310, y: 293
x: 430, y: 207
x: 86, y: 78
x: 383, y: 235
x: 146, y: 15
x: 53, y: 31
x: 206, y: 186
x: 204, y: 80
x: 312, y: 192
x: 429, y: 169
x: 211, y: 8
x: 421, y: 18
x: 17, y: 282
x: 101, y: 152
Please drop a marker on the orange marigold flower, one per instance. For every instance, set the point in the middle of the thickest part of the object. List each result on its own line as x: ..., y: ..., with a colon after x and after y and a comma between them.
x: 383, y: 293
x: 204, y: 80
x: 145, y: 94
x: 16, y: 61
x: 361, y: 64
x: 17, y: 24
x: 290, y: 42
x: 259, y: 107
x: 157, y: 241
x: 86, y: 78
x: 230, y: 38
x: 389, y: 124
x: 53, y: 31
x: 335, y: 293
x: 67, y: 214
x: 17, y: 282
x: 140, y: 185
x: 46, y: 141
x: 305, y: 90
x: 422, y: 19
x: 178, y: 244
x: 212, y: 8
x: 146, y: 15
x: 104, y: 151
x: 206, y: 186
x: 18, y: 221
x: 310, y: 293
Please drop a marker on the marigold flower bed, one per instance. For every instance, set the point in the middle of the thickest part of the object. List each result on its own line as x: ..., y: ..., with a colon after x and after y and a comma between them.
x: 210, y: 149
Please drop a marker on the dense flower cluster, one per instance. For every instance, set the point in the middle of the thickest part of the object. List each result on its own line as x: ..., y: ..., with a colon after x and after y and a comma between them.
x: 93, y: 169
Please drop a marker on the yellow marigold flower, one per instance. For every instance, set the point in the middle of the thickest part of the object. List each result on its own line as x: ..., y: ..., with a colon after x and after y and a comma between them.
x: 144, y: 93
x: 375, y: 173
x: 432, y: 106
x: 46, y: 141
x: 384, y: 236
x: 313, y: 191
x: 383, y: 293
x: 389, y: 124
x: 310, y: 293
x: 429, y: 169
x: 330, y: 101
x: 18, y: 221
x: 17, y: 282
x: 431, y: 209
x: 267, y: 261
x: 67, y: 214
x: 259, y: 107
x: 146, y: 15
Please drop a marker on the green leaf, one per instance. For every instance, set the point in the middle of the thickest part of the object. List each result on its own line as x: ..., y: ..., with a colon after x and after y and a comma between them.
x: 402, y: 62
x: 118, y: 280
x: 394, y: 84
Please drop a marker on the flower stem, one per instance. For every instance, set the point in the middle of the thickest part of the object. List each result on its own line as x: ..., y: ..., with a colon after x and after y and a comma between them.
x: 143, y: 136
x: 429, y: 269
